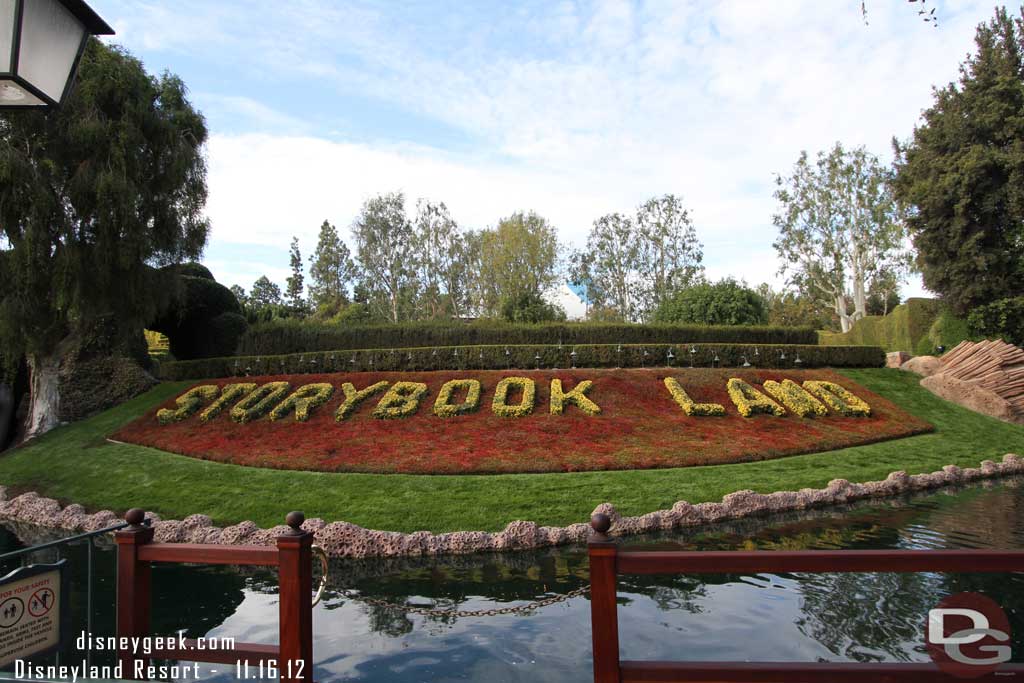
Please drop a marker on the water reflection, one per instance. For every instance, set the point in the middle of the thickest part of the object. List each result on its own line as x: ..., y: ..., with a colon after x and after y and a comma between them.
x: 802, y: 617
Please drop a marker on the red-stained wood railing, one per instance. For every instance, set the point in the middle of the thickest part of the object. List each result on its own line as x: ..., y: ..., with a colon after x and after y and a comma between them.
x: 607, y: 562
x: 292, y: 656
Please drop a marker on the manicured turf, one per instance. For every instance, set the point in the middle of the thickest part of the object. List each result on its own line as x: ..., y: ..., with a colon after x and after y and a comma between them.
x: 76, y: 463
x: 639, y: 426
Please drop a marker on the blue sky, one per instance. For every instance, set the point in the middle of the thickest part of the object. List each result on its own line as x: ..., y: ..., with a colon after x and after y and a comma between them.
x: 571, y: 109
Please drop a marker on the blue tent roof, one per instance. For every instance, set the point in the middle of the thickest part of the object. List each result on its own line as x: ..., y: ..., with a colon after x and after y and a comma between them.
x: 579, y: 290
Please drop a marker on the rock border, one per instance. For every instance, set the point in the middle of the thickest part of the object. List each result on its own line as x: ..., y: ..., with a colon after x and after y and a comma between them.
x: 343, y: 539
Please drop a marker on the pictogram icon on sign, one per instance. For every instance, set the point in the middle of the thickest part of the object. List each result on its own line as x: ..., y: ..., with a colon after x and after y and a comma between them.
x: 11, y: 611
x: 41, y: 602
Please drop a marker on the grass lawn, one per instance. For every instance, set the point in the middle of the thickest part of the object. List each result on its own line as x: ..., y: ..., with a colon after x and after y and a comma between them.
x: 76, y: 463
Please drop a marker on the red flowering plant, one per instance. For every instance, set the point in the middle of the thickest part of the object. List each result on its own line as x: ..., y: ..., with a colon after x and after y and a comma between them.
x: 622, y: 419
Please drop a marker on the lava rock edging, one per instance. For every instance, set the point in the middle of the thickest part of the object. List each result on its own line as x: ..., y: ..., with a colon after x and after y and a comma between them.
x: 343, y: 539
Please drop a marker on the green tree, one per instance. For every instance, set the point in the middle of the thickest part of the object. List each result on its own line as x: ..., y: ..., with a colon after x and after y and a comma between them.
x: 788, y: 308
x: 726, y: 302
x: 838, y: 227
x: 883, y: 293
x: 609, y: 268
x: 239, y: 293
x: 295, y: 284
x: 670, y: 253
x: 962, y: 175
x: 264, y: 293
x: 331, y: 270
x: 476, y: 289
x: 519, y: 256
x: 530, y: 307
x: 441, y: 261
x: 91, y: 196
x: 631, y: 265
x: 1001, y: 319
x: 385, y: 250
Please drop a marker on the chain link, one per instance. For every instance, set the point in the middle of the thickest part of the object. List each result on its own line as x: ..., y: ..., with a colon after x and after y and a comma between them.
x: 432, y: 611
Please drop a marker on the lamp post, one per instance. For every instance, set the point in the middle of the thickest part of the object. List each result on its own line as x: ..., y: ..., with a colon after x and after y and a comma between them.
x: 41, y: 42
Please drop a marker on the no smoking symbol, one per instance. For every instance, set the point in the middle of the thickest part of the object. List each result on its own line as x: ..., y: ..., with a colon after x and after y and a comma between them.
x: 41, y: 602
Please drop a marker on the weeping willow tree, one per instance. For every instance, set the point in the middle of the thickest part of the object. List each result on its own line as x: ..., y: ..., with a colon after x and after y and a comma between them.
x: 92, y: 198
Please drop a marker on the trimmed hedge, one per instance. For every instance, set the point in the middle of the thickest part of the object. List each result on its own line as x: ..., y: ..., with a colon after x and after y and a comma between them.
x: 294, y: 336
x: 917, y: 327
x: 498, y: 357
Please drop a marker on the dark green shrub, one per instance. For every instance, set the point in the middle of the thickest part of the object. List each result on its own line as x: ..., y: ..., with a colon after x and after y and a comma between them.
x: 193, y: 270
x: 294, y: 336
x: 530, y: 308
x: 205, y: 321
x: 1001, y: 319
x: 497, y: 357
x: 725, y: 302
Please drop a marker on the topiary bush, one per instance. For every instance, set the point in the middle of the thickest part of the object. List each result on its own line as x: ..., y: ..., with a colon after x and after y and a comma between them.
x: 205, y: 320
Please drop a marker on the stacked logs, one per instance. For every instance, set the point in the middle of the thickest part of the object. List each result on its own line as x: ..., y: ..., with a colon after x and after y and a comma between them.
x: 993, y: 365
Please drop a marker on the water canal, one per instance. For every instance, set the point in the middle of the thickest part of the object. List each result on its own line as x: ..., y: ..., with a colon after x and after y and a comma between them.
x: 836, y: 617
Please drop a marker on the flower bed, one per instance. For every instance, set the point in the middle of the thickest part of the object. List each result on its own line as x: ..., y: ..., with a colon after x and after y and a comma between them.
x: 586, y: 420
x: 443, y: 406
x: 838, y: 398
x: 796, y: 399
x: 749, y: 401
x: 527, y: 389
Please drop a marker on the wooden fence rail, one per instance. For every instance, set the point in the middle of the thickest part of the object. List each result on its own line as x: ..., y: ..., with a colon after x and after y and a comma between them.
x: 292, y: 656
x: 607, y: 562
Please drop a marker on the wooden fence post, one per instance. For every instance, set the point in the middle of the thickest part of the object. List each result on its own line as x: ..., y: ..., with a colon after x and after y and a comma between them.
x: 134, y: 585
x: 604, y: 616
x: 296, y: 601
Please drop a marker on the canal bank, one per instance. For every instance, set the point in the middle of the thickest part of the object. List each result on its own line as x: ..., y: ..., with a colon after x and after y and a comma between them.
x: 362, y: 633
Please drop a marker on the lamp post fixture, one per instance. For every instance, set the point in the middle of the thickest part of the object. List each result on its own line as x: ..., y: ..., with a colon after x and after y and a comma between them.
x: 41, y: 42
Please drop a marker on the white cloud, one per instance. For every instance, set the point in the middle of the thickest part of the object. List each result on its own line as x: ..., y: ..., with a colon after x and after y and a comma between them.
x: 571, y: 109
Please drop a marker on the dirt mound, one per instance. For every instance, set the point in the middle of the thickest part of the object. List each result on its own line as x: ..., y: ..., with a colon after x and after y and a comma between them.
x: 971, y: 396
x: 926, y: 366
x: 987, y: 377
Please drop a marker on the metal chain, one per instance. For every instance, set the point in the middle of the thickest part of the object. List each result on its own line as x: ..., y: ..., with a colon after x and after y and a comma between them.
x: 429, y: 611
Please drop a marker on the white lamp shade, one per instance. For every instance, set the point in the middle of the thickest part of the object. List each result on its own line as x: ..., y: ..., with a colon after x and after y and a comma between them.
x: 40, y: 43
x: 50, y: 40
x: 6, y: 34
